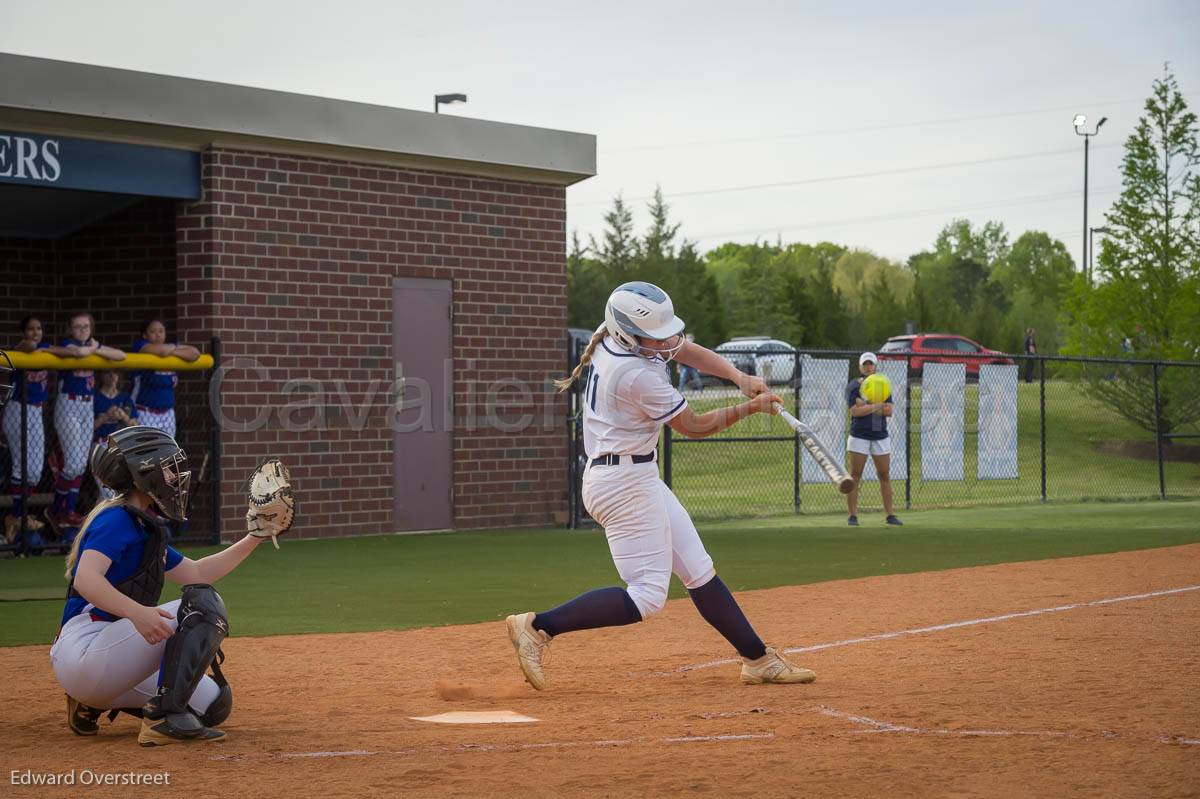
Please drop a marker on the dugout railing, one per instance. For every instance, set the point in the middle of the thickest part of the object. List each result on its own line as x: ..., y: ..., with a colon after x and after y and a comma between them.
x: 1071, y: 429
x: 198, y: 431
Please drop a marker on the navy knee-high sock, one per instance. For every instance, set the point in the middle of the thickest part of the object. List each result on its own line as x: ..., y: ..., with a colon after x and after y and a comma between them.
x: 604, y: 607
x: 721, y: 610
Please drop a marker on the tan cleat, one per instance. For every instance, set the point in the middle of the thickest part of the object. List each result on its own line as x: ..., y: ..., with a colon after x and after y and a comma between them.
x: 177, y: 728
x: 774, y: 668
x: 531, y: 646
x: 81, y: 718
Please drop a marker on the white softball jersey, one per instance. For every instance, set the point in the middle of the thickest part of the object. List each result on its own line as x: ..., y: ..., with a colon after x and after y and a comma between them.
x: 627, y: 400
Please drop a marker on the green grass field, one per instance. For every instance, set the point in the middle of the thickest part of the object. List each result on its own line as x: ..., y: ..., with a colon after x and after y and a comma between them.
x: 397, y: 582
x: 721, y: 478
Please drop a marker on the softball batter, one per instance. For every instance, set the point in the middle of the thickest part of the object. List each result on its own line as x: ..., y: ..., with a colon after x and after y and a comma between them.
x: 627, y: 400
x: 73, y: 417
x: 29, y: 467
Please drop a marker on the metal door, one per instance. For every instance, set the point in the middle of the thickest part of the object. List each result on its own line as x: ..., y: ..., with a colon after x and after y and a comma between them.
x: 422, y: 396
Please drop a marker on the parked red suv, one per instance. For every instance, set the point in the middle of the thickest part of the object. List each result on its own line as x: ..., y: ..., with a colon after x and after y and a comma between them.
x: 940, y: 348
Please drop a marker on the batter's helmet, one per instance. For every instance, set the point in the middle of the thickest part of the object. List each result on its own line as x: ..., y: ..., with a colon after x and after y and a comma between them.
x: 640, y: 309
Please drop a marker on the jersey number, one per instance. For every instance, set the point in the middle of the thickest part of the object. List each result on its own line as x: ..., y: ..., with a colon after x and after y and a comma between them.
x: 591, y: 388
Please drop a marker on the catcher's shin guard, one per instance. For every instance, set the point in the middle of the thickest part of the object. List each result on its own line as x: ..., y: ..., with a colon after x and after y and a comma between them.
x: 203, y: 625
x: 222, y: 706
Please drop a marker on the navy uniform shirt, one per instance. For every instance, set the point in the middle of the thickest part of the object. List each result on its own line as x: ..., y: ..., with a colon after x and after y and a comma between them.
x: 100, y: 406
x: 154, y: 390
x: 76, y: 382
x: 872, y: 427
x: 36, y: 383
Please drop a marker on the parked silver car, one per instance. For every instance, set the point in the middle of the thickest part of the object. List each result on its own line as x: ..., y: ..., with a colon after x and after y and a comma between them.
x: 771, y: 359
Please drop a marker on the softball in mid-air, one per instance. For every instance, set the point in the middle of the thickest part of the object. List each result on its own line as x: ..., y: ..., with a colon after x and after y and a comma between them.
x: 875, y: 388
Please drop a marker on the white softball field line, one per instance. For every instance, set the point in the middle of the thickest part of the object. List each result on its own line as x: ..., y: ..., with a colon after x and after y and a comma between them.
x: 939, y: 627
x: 885, y: 726
x: 877, y: 726
x: 751, y: 736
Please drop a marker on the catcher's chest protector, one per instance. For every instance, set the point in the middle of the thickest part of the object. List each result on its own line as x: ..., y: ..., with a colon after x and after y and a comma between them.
x: 145, y: 585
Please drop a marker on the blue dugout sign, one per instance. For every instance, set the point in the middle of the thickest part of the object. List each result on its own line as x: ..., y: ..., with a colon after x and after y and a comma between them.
x: 31, y: 159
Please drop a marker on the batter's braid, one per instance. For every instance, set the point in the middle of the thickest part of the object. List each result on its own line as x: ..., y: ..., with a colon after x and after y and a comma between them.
x: 564, y: 383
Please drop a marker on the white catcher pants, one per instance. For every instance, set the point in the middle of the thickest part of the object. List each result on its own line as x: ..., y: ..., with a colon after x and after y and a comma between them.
x: 35, y: 435
x: 108, y: 664
x: 649, y: 532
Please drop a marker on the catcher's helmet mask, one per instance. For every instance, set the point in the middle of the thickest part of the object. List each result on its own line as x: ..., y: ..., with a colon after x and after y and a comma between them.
x: 8, y: 378
x: 149, y: 460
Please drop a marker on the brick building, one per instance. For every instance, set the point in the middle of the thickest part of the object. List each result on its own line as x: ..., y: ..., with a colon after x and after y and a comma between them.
x: 388, y: 286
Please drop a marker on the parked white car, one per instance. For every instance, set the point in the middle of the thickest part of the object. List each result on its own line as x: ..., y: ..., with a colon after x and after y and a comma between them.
x: 771, y: 359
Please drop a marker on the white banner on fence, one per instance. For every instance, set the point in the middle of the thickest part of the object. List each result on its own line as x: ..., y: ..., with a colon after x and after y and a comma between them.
x: 997, y: 452
x: 942, y: 390
x: 823, y: 408
x: 897, y: 374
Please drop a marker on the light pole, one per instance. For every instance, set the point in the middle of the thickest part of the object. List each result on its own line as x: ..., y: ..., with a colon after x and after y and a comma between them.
x: 1080, y: 121
x: 1103, y: 231
x: 446, y: 99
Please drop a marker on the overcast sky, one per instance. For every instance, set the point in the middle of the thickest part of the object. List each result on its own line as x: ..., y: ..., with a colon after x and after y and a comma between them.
x: 703, y: 96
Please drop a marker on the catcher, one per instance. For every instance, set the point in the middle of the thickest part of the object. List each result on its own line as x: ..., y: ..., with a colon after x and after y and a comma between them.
x: 117, y: 648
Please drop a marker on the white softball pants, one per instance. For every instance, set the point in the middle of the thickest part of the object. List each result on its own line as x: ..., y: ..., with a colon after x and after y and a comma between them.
x: 108, y: 664
x: 73, y: 422
x: 649, y: 532
x: 35, y: 435
x: 159, y: 420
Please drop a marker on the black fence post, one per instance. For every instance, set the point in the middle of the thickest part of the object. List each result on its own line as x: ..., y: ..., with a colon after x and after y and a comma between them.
x: 1042, y: 394
x: 581, y: 463
x: 23, y: 536
x: 570, y: 470
x: 1158, y: 437
x: 908, y: 432
x: 797, y: 374
x: 215, y: 443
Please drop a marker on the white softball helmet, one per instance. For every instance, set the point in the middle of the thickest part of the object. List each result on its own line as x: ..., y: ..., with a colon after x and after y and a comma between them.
x: 642, y: 309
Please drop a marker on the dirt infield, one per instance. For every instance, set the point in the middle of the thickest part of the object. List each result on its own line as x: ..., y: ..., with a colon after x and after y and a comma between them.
x: 1080, y: 698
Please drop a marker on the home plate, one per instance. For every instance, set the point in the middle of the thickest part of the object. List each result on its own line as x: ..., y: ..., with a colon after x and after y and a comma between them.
x: 477, y: 717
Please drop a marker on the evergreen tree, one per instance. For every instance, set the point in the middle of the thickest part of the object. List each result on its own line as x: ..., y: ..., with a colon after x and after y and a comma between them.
x: 617, y: 252
x: 1149, y: 266
x: 587, y: 288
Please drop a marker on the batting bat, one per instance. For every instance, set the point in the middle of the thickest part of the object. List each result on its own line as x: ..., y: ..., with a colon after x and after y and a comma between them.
x: 837, y: 475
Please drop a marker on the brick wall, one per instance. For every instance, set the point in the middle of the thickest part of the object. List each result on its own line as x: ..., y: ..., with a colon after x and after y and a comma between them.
x: 291, y: 260
x: 121, y: 269
x: 29, y: 286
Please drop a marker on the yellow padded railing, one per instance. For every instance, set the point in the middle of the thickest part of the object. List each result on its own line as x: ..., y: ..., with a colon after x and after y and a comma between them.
x: 36, y: 361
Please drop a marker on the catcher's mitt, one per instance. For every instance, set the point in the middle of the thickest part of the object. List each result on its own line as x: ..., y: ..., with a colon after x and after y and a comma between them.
x: 272, y: 501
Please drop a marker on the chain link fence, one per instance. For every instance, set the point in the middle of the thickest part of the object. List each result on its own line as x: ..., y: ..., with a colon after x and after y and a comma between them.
x: 968, y: 430
x: 58, y: 415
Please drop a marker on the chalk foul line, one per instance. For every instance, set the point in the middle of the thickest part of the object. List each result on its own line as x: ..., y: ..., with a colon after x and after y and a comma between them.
x: 884, y: 726
x: 940, y: 627
x: 516, y: 747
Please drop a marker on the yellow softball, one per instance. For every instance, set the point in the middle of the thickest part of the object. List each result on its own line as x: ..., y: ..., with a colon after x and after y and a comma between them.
x: 875, y: 388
